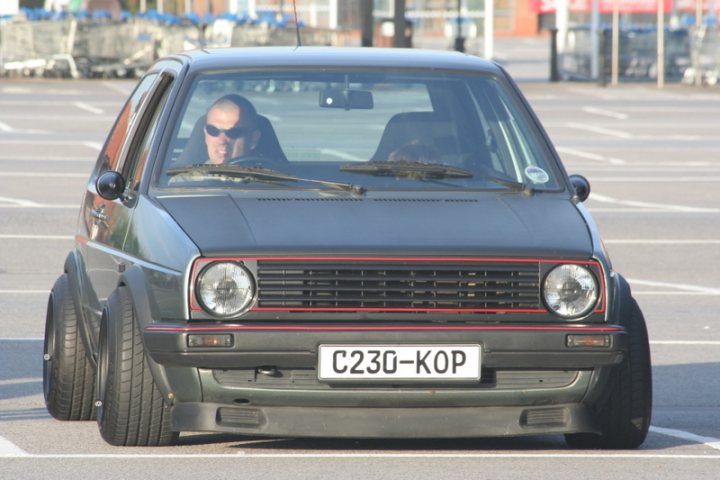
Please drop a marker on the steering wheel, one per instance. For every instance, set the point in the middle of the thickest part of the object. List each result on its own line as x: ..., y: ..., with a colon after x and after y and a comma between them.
x: 253, y: 161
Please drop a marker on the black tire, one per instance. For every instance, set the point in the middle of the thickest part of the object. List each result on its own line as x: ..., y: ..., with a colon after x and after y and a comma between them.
x: 68, y: 373
x: 625, y: 417
x: 131, y: 409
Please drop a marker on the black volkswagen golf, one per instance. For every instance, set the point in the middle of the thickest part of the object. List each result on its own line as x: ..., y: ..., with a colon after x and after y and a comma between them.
x: 340, y: 243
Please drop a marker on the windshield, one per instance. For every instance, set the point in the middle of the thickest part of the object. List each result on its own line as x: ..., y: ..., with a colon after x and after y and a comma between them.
x: 356, y: 130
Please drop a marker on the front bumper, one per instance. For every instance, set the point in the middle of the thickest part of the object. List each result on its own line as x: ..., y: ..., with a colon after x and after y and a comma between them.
x: 532, y: 381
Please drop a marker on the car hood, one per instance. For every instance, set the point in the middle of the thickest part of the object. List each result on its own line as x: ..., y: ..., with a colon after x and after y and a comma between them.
x: 542, y: 225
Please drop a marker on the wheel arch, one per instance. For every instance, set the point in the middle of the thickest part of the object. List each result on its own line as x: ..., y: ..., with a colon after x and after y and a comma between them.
x: 133, y: 279
x: 89, y: 327
x: 622, y: 301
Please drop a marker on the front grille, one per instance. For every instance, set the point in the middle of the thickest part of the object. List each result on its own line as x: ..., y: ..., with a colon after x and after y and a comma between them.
x: 399, y: 285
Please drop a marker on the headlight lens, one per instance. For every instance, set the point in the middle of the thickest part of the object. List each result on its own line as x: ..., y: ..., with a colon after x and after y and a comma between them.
x: 225, y: 289
x: 570, y: 290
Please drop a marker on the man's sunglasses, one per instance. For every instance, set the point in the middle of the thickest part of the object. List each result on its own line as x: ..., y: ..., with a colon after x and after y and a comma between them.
x: 233, y: 133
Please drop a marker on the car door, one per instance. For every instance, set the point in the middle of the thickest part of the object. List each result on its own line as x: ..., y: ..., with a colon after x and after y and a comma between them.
x: 103, y: 224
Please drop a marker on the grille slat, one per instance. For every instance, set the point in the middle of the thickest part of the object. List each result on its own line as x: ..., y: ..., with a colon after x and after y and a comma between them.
x: 439, y: 290
x: 399, y: 298
x: 290, y: 266
x: 399, y: 284
x: 425, y: 277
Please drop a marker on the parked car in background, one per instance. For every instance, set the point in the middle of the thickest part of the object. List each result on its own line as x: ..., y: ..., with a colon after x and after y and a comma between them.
x: 390, y: 248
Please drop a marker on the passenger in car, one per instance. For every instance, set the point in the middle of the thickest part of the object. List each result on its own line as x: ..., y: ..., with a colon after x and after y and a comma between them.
x: 231, y: 129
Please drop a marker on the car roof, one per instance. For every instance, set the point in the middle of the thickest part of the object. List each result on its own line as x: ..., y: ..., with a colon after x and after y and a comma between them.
x: 350, y: 57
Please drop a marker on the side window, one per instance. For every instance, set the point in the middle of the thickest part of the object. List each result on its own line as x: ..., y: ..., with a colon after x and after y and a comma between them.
x: 137, y: 158
x: 110, y: 156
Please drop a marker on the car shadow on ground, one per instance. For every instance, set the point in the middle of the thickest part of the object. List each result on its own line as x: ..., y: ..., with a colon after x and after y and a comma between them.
x: 349, y: 445
x: 330, y: 446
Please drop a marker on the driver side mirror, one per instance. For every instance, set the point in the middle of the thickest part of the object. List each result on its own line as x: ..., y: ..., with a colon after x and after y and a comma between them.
x: 582, y: 187
x: 110, y: 185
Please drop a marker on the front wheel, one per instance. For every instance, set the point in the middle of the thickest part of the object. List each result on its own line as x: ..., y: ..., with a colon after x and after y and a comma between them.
x: 68, y: 375
x: 625, y: 417
x: 131, y: 409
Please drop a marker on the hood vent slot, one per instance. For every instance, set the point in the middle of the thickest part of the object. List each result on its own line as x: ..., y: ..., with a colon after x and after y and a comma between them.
x: 295, y: 199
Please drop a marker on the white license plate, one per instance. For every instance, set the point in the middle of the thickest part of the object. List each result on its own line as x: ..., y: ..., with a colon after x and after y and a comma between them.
x: 399, y: 362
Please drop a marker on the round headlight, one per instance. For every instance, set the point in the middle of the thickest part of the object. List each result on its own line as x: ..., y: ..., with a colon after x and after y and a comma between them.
x: 225, y: 289
x: 570, y: 290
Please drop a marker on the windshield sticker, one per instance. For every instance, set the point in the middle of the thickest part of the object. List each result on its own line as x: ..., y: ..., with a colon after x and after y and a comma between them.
x: 537, y: 175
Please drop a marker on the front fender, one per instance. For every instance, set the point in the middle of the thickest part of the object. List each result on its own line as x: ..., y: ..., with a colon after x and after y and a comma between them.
x: 175, y: 383
x: 621, y: 306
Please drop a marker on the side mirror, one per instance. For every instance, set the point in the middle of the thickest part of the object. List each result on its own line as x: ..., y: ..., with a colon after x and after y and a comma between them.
x: 110, y: 185
x: 582, y: 187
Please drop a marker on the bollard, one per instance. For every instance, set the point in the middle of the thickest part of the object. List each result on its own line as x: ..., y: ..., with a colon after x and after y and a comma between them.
x: 554, y: 69
x: 602, y: 60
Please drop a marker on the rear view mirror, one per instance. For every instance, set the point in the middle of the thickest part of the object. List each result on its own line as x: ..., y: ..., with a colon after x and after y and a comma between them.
x: 347, y: 99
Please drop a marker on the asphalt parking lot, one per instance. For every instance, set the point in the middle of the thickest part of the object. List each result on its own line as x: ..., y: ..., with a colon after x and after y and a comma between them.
x: 653, y: 159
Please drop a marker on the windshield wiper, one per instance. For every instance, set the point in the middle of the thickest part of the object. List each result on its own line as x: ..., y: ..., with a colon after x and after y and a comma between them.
x: 413, y: 170
x: 506, y: 182
x: 257, y: 174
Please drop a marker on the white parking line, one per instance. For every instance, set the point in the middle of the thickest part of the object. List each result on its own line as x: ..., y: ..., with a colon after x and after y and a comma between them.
x: 122, y: 90
x: 658, y: 241
x: 669, y: 179
x: 7, y: 202
x: 9, y: 449
x: 15, y: 90
x: 22, y: 236
x: 667, y: 293
x: 643, y: 166
x: 676, y: 286
x: 19, y: 202
x: 45, y: 174
x: 4, y: 127
x: 605, y: 113
x: 591, y: 156
x: 20, y: 381
x: 94, y: 145
x: 45, y: 206
x: 707, y: 441
x: 44, y: 142
x: 600, y: 130
x: 24, y: 292
x: 652, y: 206
x: 42, y: 158
x: 88, y: 108
x: 22, y: 339
x: 380, y: 455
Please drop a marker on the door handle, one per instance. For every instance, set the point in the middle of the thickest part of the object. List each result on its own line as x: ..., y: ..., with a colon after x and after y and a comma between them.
x: 99, y: 214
